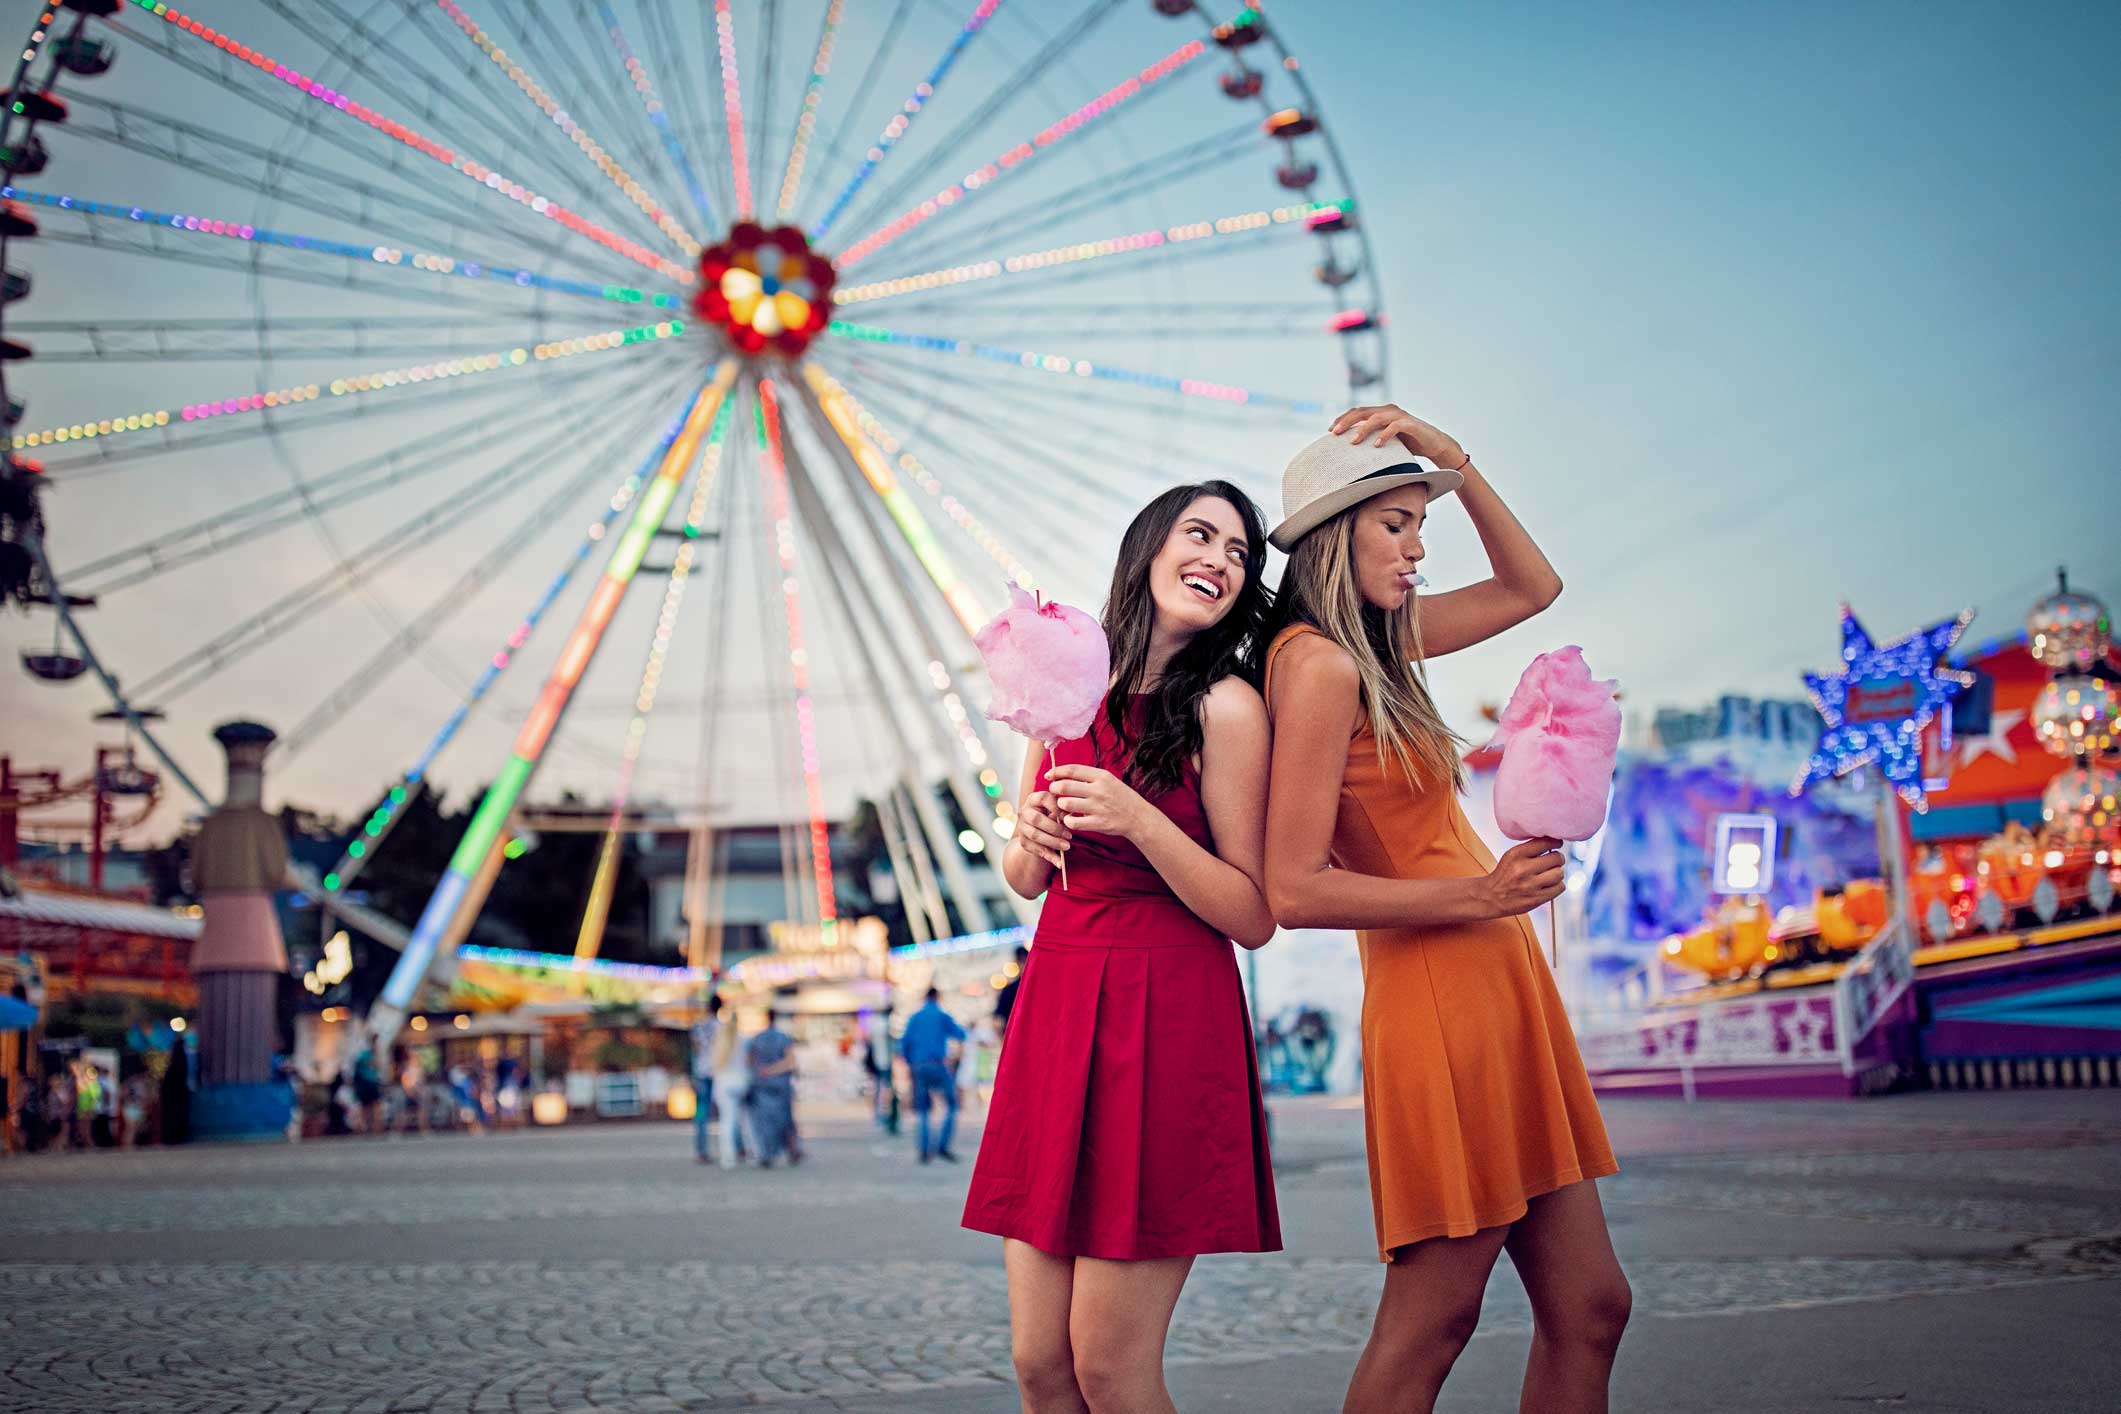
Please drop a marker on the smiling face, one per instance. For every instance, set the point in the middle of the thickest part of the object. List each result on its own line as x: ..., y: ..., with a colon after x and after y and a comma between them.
x: 1388, y: 544
x: 1196, y: 576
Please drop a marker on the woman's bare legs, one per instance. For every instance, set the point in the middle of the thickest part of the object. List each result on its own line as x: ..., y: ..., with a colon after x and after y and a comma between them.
x: 1041, y: 1287
x: 1580, y: 1300
x: 1117, y: 1321
x: 1430, y: 1306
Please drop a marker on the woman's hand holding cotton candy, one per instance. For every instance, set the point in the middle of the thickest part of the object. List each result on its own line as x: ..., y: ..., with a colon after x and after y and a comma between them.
x: 1092, y: 798
x: 1527, y: 875
x: 1039, y: 828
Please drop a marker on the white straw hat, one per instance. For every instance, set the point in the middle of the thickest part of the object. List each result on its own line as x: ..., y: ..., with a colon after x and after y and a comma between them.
x: 1332, y: 474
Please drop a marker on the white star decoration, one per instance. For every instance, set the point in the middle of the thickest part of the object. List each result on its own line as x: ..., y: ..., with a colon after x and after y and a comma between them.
x: 1996, y: 743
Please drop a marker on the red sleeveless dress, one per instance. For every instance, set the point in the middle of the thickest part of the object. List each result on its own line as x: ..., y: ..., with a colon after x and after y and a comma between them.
x: 1126, y: 1121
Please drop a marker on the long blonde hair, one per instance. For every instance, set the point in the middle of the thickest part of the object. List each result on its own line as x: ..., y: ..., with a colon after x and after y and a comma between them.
x: 1319, y: 587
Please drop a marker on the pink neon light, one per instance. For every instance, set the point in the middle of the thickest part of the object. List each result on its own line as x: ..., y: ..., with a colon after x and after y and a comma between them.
x: 1019, y: 154
x: 428, y: 147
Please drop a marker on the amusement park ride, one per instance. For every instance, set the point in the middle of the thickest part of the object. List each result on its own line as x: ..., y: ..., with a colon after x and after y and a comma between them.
x: 844, y: 352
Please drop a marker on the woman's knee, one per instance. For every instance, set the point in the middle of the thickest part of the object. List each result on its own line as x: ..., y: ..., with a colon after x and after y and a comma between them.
x: 1597, y: 1316
x: 1433, y: 1332
x: 1045, y: 1368
x: 1107, y: 1368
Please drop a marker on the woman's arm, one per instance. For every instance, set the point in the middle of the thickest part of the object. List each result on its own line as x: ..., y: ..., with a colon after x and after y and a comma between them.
x: 1224, y: 886
x: 1316, y: 705
x: 1033, y: 851
x: 1523, y: 582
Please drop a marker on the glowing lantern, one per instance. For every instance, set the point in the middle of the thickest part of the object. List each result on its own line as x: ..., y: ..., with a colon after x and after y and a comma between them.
x: 2075, y: 716
x: 681, y: 1103
x: 549, y: 1107
x: 2083, y: 802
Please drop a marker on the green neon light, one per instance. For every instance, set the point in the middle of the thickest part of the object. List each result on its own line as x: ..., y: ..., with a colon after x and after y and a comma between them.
x: 493, y: 814
x: 627, y: 557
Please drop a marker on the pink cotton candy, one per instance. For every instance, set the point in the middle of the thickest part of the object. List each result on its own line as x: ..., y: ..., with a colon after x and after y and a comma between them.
x: 1558, y: 738
x: 1049, y: 665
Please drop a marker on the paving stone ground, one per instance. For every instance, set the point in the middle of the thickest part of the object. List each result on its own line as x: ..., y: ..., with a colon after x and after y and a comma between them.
x: 1798, y: 1256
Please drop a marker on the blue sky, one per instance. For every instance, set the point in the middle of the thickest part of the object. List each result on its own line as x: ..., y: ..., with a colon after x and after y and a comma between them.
x: 1745, y: 311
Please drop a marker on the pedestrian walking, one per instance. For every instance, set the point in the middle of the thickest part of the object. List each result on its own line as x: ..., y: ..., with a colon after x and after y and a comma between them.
x: 1482, y: 1131
x: 706, y: 1036
x: 931, y: 1045
x: 1005, y: 1000
x: 770, y: 1059
x: 1126, y: 1135
x: 732, y: 1089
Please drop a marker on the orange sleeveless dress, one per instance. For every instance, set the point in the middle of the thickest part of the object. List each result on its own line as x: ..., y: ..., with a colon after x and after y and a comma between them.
x: 1474, y: 1097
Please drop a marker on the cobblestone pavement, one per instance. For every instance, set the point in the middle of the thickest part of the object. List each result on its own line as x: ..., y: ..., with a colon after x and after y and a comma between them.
x: 600, y: 1268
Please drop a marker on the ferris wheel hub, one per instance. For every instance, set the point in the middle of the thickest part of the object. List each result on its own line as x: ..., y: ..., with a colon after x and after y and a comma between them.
x: 765, y: 289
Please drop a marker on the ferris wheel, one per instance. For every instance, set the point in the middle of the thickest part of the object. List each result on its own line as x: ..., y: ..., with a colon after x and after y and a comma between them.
x: 448, y: 380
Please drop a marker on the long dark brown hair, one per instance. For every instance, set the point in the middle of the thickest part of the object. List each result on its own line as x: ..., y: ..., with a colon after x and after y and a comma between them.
x: 1170, y: 730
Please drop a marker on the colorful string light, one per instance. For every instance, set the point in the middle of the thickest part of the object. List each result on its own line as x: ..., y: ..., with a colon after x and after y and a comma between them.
x: 1078, y: 368
x: 427, y: 147
x: 806, y: 122
x: 637, y: 73
x: 908, y: 111
x: 590, y: 147
x: 349, y: 864
x: 733, y: 108
x: 454, y: 890
x: 1875, y: 707
x: 440, y: 370
x: 839, y: 410
x: 1017, y: 571
x: 1082, y: 250
x: 774, y: 468
x: 38, y: 35
x: 1023, y: 152
x: 605, y: 878
x: 427, y: 262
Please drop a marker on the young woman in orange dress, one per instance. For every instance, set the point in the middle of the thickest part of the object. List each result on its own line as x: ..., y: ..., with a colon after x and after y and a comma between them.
x: 1482, y: 1132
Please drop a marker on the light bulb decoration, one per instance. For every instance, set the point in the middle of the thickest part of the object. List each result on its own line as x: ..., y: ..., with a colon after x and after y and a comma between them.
x: 447, y: 156
x: 765, y: 290
x: 589, y: 146
x: 1875, y: 707
x: 1030, y: 261
x: 733, y: 108
x: 388, y: 256
x: 1009, y: 161
x: 1076, y: 367
x: 806, y: 120
x: 500, y: 360
x: 903, y: 119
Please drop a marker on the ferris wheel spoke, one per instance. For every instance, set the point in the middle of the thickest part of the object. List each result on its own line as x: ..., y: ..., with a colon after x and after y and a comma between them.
x: 1083, y: 260
x: 200, y: 664
x: 806, y: 115
x: 1072, y: 35
x: 893, y: 27
x: 227, y: 340
x: 416, y: 632
x: 444, y: 155
x: 733, y: 108
x: 577, y: 136
x: 652, y: 104
x: 1037, y: 217
x: 579, y: 86
x: 245, y: 524
x: 688, y: 61
x: 911, y: 109
x: 428, y: 90
x: 960, y: 515
x: 1063, y: 365
x: 1014, y: 159
x: 437, y: 373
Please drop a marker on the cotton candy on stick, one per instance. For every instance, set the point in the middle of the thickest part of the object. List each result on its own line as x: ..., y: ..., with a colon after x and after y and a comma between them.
x: 1558, y: 736
x: 1050, y: 666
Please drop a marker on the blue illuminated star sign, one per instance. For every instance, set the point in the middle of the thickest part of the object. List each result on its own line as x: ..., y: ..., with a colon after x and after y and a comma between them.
x: 1876, y: 707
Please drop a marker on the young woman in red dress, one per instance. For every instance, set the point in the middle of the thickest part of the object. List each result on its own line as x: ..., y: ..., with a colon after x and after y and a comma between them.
x: 1126, y: 1135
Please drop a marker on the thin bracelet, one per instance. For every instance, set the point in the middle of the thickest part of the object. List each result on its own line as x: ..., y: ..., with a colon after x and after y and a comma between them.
x: 1462, y: 465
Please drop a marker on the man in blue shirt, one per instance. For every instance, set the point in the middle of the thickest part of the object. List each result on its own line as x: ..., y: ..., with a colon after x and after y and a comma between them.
x: 930, y: 1047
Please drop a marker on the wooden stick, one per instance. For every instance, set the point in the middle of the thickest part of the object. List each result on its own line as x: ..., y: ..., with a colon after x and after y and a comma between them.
x: 1553, y: 939
x: 1052, y: 765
